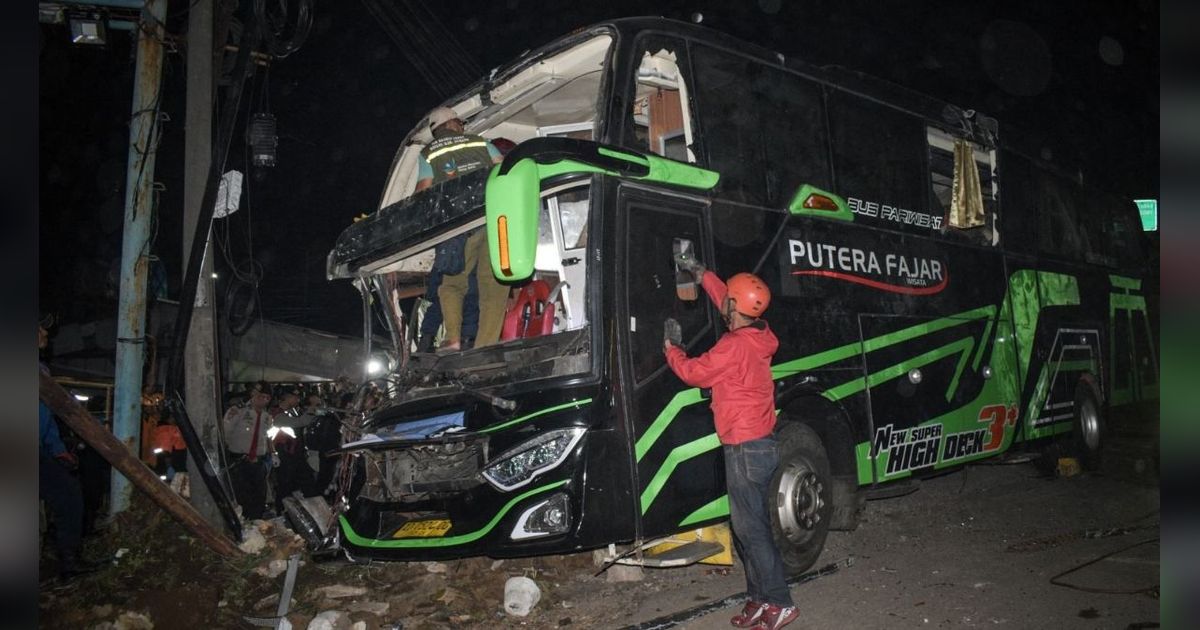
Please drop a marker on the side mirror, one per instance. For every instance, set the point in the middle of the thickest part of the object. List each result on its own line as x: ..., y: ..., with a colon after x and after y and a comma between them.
x: 685, y: 282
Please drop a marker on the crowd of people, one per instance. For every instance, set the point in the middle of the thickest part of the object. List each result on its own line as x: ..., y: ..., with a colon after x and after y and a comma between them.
x: 277, y: 443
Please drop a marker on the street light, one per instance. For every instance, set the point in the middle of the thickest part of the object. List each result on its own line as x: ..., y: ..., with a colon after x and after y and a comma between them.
x: 87, y: 28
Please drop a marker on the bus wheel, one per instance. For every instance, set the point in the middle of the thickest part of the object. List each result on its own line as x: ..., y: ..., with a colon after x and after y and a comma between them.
x: 800, y: 500
x: 1088, y: 431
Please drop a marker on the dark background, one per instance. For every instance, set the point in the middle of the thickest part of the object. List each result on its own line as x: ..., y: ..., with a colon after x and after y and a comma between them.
x: 1080, y: 78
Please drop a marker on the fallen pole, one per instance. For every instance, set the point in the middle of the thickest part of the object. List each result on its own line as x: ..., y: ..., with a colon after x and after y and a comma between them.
x: 122, y: 459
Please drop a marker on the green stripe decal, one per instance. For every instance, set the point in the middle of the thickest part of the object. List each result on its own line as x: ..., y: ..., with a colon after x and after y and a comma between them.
x: 681, y: 400
x: 716, y: 509
x: 451, y: 541
x: 858, y: 384
x: 1123, y: 282
x: 862, y: 459
x: 571, y: 405
x: 987, y: 331
x: 679, y: 455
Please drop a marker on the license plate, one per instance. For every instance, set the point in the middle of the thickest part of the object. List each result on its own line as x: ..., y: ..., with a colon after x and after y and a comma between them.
x: 423, y: 529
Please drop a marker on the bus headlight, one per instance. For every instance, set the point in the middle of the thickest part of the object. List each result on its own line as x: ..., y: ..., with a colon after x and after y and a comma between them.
x: 522, y: 463
x: 551, y: 516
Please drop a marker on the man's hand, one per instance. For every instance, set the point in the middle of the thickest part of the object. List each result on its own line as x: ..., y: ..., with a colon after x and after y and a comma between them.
x: 672, y: 334
x: 67, y: 460
x: 688, y: 263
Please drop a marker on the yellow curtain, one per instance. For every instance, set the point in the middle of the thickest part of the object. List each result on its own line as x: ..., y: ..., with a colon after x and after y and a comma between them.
x: 966, y: 201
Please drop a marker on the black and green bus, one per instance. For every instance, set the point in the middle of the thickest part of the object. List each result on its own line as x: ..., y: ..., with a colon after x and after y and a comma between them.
x: 940, y: 297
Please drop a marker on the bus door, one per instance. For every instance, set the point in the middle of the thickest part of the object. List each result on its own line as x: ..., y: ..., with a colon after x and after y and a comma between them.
x: 679, y: 470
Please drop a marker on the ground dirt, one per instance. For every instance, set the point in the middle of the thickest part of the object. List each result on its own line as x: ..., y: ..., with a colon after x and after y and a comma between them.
x: 974, y: 548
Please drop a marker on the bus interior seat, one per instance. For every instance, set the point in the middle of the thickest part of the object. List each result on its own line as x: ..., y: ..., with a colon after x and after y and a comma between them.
x: 532, y: 314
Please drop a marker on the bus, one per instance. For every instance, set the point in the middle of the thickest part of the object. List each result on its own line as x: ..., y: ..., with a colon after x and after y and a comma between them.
x: 941, y: 296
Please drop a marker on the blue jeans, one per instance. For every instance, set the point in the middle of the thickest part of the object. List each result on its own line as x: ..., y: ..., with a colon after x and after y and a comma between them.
x: 749, y: 467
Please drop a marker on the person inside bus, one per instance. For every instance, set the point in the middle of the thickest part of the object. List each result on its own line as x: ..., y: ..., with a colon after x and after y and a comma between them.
x: 453, y: 153
x: 738, y: 369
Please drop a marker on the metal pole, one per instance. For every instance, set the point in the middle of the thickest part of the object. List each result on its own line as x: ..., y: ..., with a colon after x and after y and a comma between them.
x: 201, y: 388
x: 139, y: 178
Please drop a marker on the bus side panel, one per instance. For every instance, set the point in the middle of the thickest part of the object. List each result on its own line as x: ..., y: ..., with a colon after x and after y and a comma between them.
x: 925, y: 312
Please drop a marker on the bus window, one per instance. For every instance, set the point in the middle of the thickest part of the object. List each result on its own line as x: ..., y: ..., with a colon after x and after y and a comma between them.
x: 650, y: 283
x: 878, y: 158
x: 660, y: 121
x: 764, y: 128
x: 1018, y: 218
x: 974, y: 220
x: 1059, y: 232
x: 560, y: 260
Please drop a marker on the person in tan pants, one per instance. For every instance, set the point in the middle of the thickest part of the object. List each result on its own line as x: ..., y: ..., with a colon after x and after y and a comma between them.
x: 493, y: 296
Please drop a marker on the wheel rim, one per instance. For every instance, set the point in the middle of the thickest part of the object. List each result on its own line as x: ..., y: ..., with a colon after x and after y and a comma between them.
x: 798, y: 501
x: 1089, y: 425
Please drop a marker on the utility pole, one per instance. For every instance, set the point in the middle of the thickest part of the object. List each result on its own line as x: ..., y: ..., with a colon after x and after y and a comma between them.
x: 201, y: 383
x: 139, y: 203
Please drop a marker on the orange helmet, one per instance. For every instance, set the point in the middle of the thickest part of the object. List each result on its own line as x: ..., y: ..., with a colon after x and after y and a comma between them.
x: 750, y: 293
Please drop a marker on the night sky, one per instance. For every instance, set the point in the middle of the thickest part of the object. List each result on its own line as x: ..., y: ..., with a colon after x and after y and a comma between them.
x: 1080, y: 77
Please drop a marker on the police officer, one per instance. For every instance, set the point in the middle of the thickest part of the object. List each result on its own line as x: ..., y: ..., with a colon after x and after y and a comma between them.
x: 452, y: 153
x: 248, y: 450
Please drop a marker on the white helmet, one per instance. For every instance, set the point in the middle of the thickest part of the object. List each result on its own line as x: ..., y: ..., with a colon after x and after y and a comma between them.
x: 440, y: 116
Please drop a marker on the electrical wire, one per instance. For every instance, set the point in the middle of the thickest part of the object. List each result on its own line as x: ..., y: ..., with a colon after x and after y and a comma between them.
x: 1149, y: 590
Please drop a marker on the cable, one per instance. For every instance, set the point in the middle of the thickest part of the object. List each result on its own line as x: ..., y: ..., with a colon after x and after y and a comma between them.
x: 1150, y: 590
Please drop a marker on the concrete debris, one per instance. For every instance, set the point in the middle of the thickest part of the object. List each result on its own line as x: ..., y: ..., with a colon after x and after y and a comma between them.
x: 375, y: 608
x: 253, y: 541
x: 450, y: 595
x: 359, y: 625
x: 435, y: 567
x: 496, y: 564
x: 330, y: 620
x: 272, y: 569
x: 521, y: 594
x: 127, y: 620
x: 336, y: 591
x: 624, y: 573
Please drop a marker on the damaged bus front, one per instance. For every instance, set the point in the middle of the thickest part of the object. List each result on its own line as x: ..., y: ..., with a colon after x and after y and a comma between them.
x: 507, y: 449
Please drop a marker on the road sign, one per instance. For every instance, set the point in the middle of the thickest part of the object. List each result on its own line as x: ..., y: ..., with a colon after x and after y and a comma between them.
x: 1148, y: 208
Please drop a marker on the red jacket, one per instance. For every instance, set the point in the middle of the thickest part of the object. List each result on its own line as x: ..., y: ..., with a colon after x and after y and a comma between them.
x: 738, y: 369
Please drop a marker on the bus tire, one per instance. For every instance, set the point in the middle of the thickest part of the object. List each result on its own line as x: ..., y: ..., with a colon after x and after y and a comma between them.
x: 1088, y: 428
x: 800, y: 501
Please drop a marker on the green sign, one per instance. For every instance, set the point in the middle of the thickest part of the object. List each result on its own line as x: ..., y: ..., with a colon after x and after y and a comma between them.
x: 1148, y: 208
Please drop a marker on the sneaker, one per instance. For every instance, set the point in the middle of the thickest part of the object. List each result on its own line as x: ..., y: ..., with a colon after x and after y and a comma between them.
x: 749, y: 615
x: 775, y: 617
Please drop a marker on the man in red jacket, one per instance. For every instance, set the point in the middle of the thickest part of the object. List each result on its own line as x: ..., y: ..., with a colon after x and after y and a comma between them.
x: 738, y: 369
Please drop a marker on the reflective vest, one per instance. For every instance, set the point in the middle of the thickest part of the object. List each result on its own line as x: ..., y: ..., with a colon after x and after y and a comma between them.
x: 456, y: 155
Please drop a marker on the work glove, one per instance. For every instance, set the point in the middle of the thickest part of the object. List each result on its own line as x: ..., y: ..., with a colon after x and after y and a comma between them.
x: 672, y: 332
x: 67, y: 460
x: 690, y: 264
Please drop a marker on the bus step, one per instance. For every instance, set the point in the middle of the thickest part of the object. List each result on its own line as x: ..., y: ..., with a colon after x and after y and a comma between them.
x: 683, y: 555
